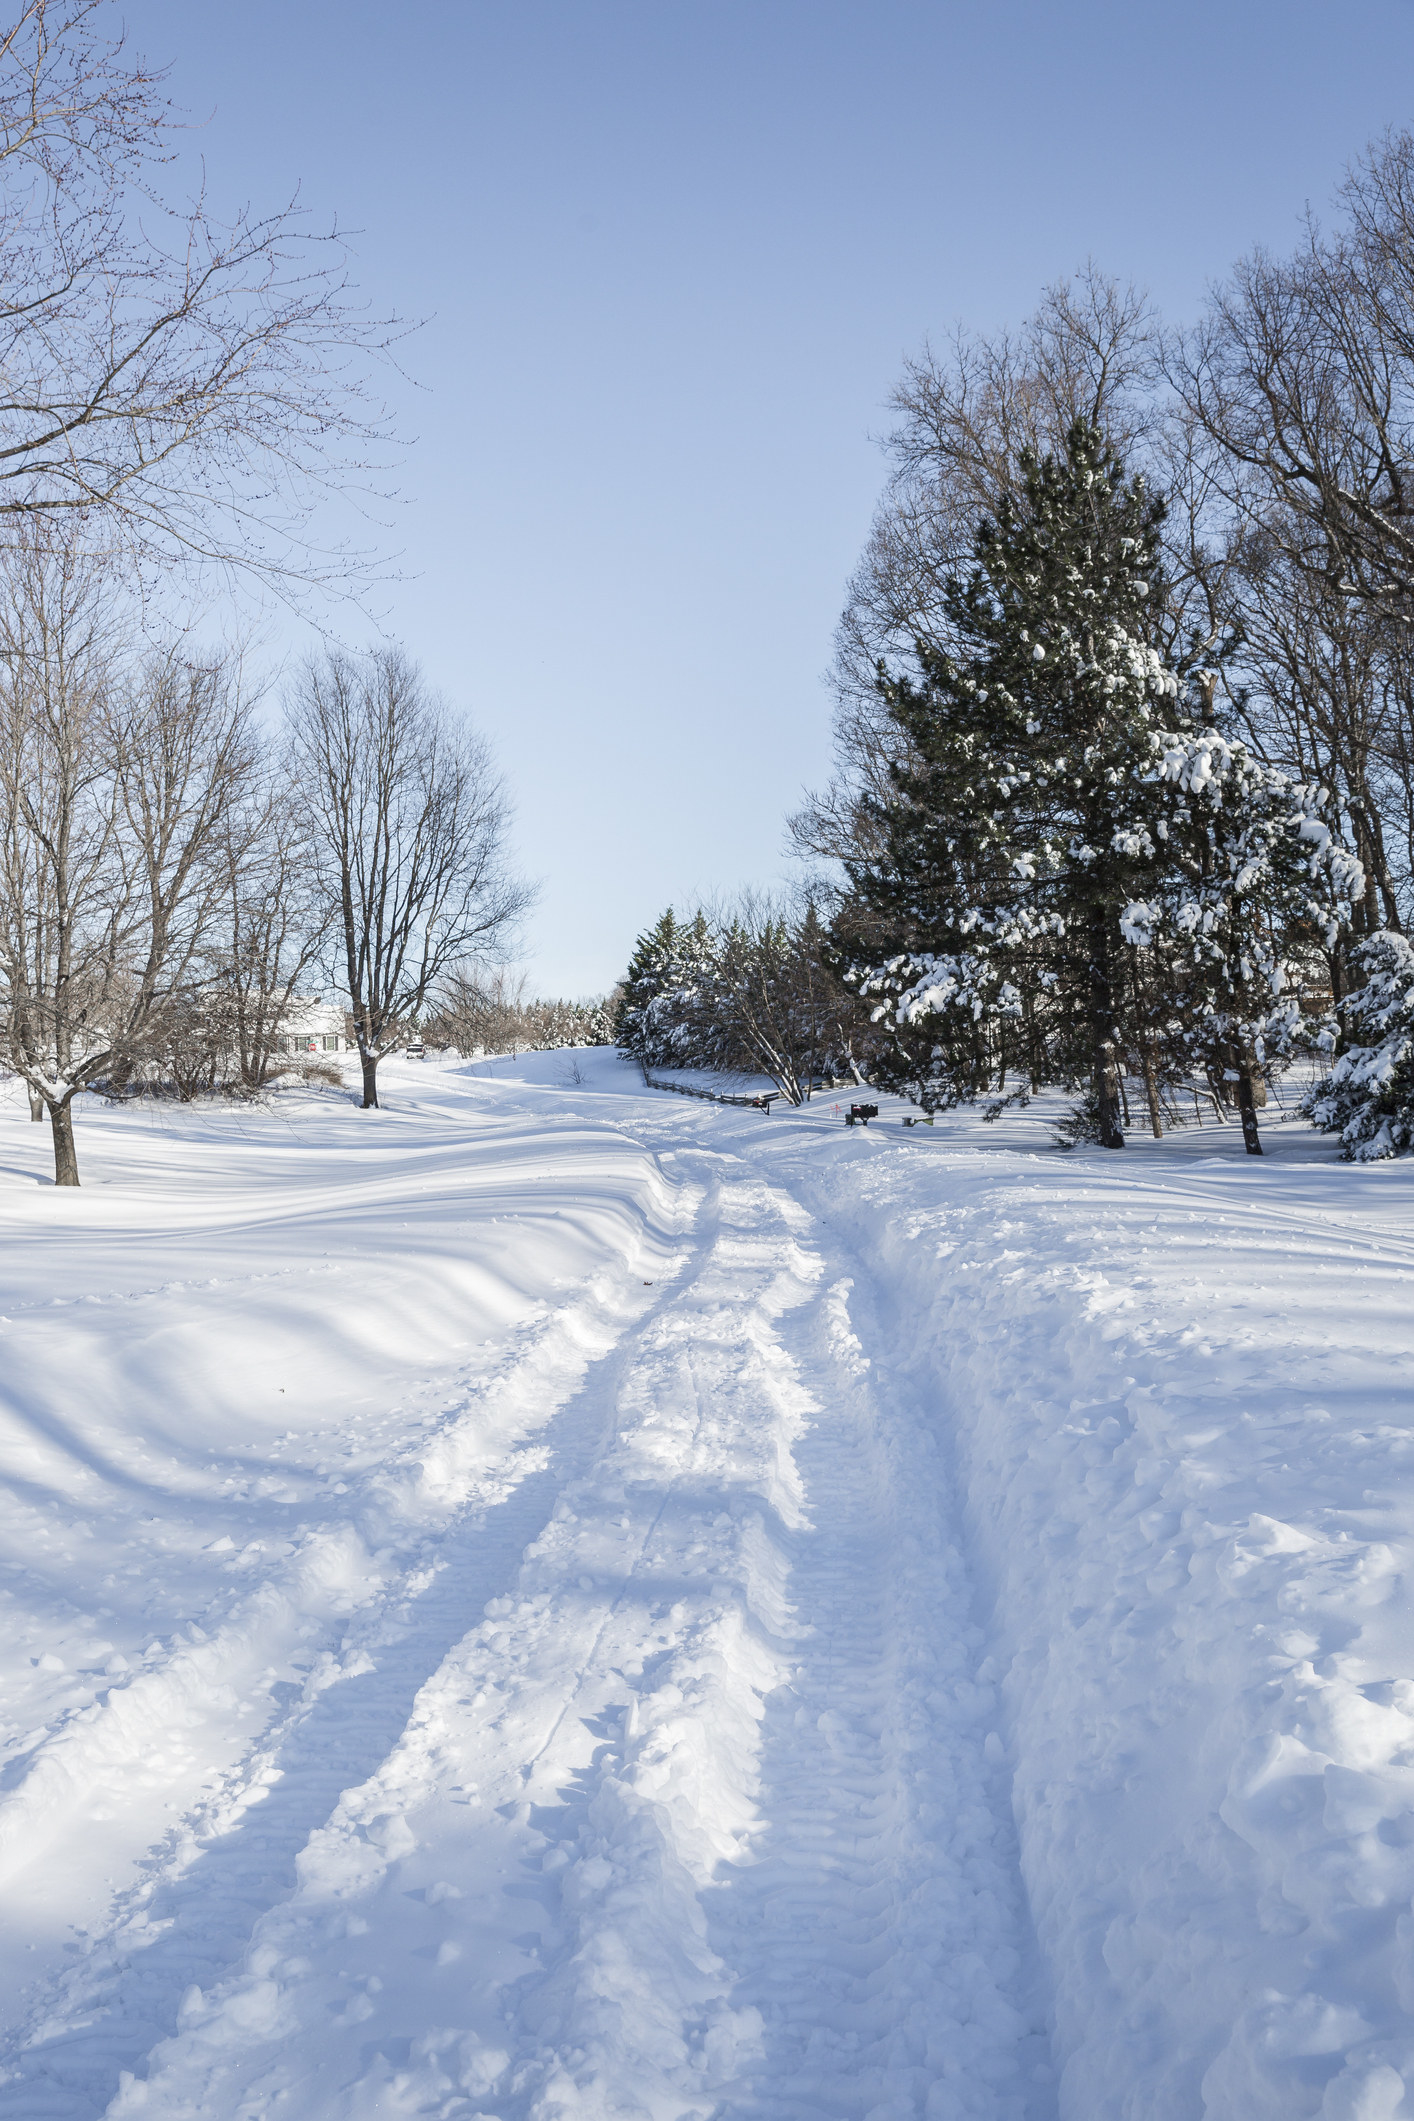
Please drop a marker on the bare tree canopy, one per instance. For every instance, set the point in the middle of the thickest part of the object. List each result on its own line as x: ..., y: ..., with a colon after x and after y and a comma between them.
x: 275, y: 922
x: 408, y: 819
x: 963, y: 419
x: 119, y: 771
x: 188, y: 387
x: 1297, y: 389
x: 1302, y: 374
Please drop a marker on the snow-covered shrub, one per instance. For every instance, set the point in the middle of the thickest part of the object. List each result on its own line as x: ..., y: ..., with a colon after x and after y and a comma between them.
x: 1368, y: 1097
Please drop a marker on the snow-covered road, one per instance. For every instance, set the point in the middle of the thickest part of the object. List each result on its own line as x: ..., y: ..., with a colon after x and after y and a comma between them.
x: 555, y: 1600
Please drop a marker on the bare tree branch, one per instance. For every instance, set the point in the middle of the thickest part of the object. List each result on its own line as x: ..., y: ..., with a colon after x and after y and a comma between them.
x: 189, y: 389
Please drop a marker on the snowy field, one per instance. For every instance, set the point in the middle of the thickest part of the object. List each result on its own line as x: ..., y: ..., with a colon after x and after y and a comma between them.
x: 560, y: 1600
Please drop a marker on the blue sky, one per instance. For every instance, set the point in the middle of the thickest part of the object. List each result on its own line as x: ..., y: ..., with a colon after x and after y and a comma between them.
x: 671, y: 258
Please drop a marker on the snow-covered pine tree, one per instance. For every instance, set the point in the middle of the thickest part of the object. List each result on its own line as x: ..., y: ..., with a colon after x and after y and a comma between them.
x: 1019, y: 825
x: 1368, y: 1097
x: 1249, y: 885
x: 642, y: 983
x: 596, y: 1027
x: 665, y: 1017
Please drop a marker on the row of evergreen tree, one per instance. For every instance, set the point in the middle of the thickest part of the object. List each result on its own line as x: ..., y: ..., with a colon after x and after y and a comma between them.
x: 748, y: 991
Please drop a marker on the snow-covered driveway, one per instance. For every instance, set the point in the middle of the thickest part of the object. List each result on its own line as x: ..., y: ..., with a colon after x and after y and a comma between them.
x: 555, y: 1600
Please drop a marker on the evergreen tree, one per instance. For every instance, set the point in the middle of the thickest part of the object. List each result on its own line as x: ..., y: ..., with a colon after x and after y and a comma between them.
x: 1019, y: 823
x: 1368, y: 1097
x: 642, y: 983
x: 1249, y: 885
x: 665, y: 1016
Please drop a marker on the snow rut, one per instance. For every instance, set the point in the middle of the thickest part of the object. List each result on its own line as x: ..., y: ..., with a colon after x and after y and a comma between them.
x: 703, y: 1820
x: 880, y: 1928
x: 456, y: 1520
x: 527, y: 1866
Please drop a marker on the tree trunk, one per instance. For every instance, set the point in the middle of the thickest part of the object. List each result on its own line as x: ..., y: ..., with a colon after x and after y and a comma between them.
x: 1379, y: 903
x: 1033, y: 1064
x: 1247, y: 1106
x: 66, y: 1162
x: 36, y: 1105
x: 1102, y: 1035
x: 1107, y: 1098
x: 369, y: 1064
x: 1151, y: 1087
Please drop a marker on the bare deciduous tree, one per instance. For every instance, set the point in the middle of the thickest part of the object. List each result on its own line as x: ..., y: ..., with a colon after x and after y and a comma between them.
x: 408, y: 819
x: 1302, y: 373
x: 482, y: 1012
x: 67, y: 923
x: 1325, y: 699
x: 1300, y: 382
x: 190, y: 387
x: 116, y: 780
x: 275, y: 923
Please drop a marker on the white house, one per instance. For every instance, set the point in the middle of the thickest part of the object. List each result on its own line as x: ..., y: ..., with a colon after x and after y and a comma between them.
x: 312, y: 1025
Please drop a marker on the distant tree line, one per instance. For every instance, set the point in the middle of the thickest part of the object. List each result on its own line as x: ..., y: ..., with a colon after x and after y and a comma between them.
x: 750, y: 991
x: 1125, y: 706
x: 486, y: 1012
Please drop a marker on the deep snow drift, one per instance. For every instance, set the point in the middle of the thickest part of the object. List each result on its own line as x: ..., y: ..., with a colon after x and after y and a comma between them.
x: 558, y: 1599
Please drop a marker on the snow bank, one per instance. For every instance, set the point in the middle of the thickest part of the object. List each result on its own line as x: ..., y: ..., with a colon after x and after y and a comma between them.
x: 1180, y: 1399
x: 256, y: 1372
x: 743, y: 1617
x: 616, y: 1814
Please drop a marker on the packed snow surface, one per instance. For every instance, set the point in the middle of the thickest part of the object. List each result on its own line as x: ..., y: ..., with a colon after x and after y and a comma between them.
x: 560, y: 1600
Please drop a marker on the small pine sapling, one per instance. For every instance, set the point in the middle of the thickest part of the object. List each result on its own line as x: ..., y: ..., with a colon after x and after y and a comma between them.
x: 1368, y: 1097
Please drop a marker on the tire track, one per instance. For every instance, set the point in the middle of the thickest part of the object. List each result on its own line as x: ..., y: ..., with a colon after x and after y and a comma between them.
x: 706, y: 1818
x: 189, y: 1918
x: 881, y: 1929
x: 511, y: 1905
